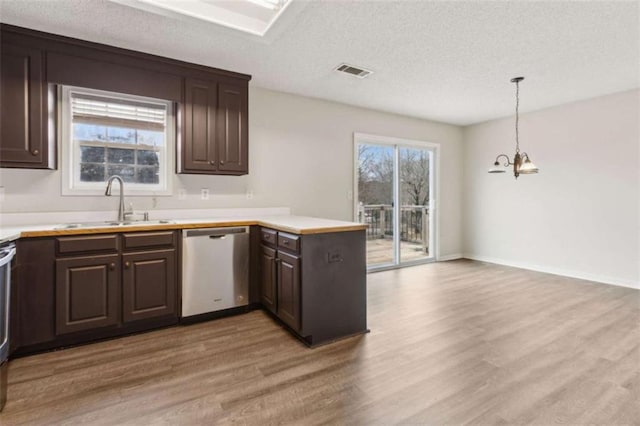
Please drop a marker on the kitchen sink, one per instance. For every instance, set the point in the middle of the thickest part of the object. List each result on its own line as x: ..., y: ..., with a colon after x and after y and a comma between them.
x: 112, y: 223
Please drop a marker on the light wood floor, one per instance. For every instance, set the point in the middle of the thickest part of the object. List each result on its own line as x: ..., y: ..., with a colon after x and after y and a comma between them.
x: 450, y: 343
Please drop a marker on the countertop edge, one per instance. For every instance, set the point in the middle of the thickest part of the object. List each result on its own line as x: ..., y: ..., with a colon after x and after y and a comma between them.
x: 176, y: 226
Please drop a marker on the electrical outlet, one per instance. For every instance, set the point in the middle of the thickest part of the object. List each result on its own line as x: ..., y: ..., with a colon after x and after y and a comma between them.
x: 249, y: 195
x: 1, y: 194
x: 182, y: 194
x: 204, y: 194
x: 350, y: 195
x: 334, y: 256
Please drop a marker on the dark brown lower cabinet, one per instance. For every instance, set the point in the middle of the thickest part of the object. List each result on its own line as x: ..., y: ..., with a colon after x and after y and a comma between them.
x: 80, y: 288
x: 148, y: 284
x: 87, y: 293
x: 289, y: 289
x: 268, y: 279
x: 319, y: 282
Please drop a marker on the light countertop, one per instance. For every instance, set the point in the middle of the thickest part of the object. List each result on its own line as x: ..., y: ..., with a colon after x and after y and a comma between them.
x: 285, y: 223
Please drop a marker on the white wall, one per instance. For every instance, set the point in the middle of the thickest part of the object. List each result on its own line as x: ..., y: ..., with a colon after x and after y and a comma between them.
x: 580, y: 215
x: 300, y: 156
x: 303, y: 152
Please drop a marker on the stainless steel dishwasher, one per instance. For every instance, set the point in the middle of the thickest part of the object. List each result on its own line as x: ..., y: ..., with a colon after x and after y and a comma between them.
x: 215, y: 269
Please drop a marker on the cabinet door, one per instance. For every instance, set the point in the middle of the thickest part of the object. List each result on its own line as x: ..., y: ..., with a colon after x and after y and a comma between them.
x: 199, y: 145
x: 23, y: 101
x: 35, y: 308
x: 233, y: 140
x: 149, y: 284
x: 289, y: 289
x: 268, y: 277
x: 87, y: 293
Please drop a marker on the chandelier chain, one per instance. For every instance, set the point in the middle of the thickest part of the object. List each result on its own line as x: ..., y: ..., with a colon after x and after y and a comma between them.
x: 517, y: 107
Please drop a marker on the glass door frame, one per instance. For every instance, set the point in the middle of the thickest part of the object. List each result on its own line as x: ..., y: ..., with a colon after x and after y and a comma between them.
x: 434, y: 191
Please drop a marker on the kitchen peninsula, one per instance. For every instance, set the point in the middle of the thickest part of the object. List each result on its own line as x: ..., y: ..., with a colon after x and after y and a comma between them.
x: 78, y: 283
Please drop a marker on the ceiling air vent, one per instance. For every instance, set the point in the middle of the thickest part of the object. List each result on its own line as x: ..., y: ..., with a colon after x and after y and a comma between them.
x: 354, y: 71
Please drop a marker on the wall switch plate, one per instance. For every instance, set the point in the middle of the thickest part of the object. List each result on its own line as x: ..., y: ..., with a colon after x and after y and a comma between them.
x: 204, y: 194
x: 182, y: 194
x: 1, y: 194
x: 350, y: 195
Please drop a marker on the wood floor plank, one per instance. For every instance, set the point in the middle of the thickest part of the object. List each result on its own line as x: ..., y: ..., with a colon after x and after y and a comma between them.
x: 457, y: 342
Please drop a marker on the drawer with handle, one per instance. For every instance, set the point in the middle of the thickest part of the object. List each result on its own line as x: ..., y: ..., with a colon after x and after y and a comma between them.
x: 268, y: 236
x: 88, y: 243
x: 289, y: 242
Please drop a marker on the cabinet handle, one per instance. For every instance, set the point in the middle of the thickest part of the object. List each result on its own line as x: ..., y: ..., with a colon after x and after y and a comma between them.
x: 285, y: 242
x: 112, y: 266
x: 221, y: 162
x: 35, y: 152
x: 127, y: 264
x: 277, y: 260
x: 213, y: 163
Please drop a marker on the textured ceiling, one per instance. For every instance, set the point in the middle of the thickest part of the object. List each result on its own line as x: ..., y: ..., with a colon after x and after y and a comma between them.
x: 445, y: 61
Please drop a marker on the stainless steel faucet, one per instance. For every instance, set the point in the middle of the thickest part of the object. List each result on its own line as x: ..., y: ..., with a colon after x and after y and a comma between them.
x: 108, y: 194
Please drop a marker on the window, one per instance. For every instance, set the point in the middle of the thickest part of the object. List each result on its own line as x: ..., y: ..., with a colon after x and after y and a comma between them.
x: 105, y: 134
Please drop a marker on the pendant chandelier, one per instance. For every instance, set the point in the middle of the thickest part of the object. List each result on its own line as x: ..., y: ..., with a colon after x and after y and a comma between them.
x: 521, y: 163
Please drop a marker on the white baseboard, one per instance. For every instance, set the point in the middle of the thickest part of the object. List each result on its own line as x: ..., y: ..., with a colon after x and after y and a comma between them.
x: 447, y: 257
x: 558, y: 271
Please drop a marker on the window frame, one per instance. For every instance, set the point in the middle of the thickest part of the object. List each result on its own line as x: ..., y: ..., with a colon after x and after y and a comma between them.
x: 70, y: 150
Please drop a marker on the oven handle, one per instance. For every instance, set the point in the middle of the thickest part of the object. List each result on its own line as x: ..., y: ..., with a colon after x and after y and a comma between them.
x: 7, y: 256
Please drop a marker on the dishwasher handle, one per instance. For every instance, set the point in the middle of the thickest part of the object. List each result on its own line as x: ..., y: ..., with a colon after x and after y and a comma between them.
x: 217, y: 237
x: 215, y: 233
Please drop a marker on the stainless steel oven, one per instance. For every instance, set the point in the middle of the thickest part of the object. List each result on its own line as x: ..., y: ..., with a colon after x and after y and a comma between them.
x: 7, y: 252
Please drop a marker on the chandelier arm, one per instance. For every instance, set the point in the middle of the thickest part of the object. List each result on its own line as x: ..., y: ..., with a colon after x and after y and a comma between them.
x: 508, y: 163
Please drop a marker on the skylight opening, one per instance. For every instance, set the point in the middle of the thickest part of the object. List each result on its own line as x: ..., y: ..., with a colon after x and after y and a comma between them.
x: 250, y: 16
x: 269, y: 4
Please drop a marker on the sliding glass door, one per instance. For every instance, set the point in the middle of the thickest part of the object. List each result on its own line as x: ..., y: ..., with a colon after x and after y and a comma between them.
x: 394, y: 188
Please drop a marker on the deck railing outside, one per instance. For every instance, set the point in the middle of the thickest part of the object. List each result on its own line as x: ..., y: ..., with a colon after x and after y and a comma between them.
x: 414, y: 222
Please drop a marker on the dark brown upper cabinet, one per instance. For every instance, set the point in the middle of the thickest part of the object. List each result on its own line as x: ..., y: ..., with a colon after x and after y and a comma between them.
x: 24, y: 139
x: 199, y: 145
x: 212, y: 103
x: 215, y: 138
x: 233, y: 123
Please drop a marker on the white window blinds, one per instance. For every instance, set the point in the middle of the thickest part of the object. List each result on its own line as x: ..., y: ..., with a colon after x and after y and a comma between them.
x: 97, y: 110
